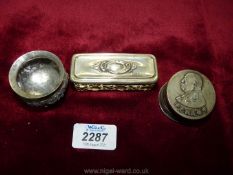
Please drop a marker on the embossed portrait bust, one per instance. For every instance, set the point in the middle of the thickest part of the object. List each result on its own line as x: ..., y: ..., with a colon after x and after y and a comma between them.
x: 192, y: 101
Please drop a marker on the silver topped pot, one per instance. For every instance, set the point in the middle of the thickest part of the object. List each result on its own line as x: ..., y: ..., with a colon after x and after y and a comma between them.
x: 188, y: 96
x: 39, y: 78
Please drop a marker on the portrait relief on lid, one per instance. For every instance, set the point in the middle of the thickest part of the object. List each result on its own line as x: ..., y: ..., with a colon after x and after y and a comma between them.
x: 192, y: 101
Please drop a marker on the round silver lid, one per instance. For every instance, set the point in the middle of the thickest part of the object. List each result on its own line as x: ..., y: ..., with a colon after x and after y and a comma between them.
x: 188, y: 95
x: 36, y: 75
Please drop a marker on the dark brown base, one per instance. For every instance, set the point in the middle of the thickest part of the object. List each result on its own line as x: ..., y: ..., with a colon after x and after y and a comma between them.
x: 169, y: 112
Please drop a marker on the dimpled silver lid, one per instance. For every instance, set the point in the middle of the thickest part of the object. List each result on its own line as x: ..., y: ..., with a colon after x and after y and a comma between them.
x: 36, y: 75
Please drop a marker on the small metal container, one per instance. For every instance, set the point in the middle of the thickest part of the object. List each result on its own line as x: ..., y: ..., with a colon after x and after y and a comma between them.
x: 113, y: 71
x: 188, y: 96
x: 39, y: 78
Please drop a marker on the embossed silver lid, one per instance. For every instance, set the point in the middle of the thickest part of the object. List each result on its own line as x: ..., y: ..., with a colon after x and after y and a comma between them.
x: 188, y: 95
x: 113, y: 71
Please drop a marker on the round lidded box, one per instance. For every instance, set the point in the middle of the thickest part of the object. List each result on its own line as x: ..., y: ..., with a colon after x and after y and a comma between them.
x: 189, y: 95
x: 39, y: 78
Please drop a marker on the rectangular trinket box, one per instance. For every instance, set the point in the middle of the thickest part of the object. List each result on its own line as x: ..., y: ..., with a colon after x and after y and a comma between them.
x: 113, y: 71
